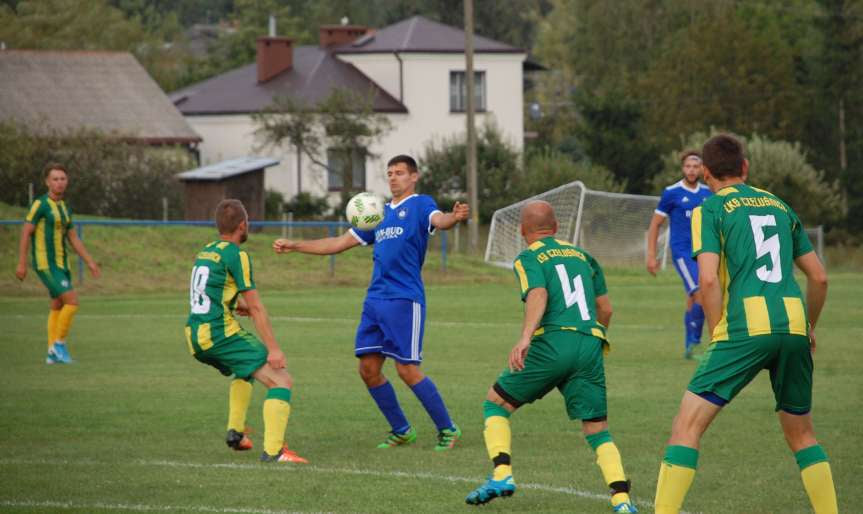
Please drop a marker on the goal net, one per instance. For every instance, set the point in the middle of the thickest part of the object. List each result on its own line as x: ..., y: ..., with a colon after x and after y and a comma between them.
x: 610, y: 226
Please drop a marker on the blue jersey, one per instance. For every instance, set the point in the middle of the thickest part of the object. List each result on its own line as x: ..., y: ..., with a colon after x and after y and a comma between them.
x: 400, y: 249
x: 677, y: 204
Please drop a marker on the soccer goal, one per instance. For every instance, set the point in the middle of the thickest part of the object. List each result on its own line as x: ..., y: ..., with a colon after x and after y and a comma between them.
x: 611, y: 226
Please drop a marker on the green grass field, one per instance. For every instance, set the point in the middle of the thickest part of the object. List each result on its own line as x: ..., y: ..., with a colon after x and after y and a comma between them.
x: 137, y: 424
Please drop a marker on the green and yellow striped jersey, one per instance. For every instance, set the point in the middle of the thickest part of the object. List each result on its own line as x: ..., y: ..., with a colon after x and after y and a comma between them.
x: 573, y: 280
x: 222, y: 270
x: 53, y: 220
x: 757, y: 237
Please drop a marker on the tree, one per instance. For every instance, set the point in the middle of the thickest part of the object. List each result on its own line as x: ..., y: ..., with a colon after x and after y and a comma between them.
x: 344, y: 120
x: 838, y: 127
x: 721, y: 73
x: 613, y: 135
x: 108, y: 177
x: 779, y: 167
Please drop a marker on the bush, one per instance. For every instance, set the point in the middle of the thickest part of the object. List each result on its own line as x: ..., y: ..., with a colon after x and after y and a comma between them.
x: 107, y: 177
x: 779, y: 167
x: 548, y: 169
x: 305, y: 206
x: 444, y: 171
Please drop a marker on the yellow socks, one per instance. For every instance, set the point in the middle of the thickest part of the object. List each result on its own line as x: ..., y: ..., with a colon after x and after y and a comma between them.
x: 239, y: 396
x: 817, y: 479
x: 277, y: 409
x: 609, y: 462
x: 498, y: 439
x: 64, y: 321
x: 676, y: 474
x: 53, y: 316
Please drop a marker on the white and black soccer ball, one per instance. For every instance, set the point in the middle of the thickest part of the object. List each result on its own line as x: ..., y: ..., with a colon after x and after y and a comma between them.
x: 365, y: 211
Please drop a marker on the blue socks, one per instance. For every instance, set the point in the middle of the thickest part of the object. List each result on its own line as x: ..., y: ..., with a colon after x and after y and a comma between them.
x: 694, y: 322
x: 385, y: 396
x: 696, y: 319
x: 429, y: 396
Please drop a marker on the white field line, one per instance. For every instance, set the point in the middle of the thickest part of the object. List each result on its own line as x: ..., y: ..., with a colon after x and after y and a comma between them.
x: 312, y: 319
x: 40, y: 504
x: 318, y: 469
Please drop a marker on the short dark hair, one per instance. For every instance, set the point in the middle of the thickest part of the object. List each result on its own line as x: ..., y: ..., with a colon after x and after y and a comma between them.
x: 407, y: 159
x: 723, y: 156
x: 53, y: 166
x: 689, y: 153
x: 229, y: 214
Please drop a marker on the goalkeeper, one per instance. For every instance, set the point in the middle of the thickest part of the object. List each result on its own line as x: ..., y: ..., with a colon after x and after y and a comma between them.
x: 566, y: 314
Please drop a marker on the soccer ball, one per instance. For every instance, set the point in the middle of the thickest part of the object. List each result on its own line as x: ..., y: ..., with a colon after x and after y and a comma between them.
x: 365, y: 211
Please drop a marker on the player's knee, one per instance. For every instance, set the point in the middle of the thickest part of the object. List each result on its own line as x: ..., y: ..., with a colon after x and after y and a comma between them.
x: 283, y: 379
x: 69, y: 298
x: 409, y: 373
x: 370, y: 373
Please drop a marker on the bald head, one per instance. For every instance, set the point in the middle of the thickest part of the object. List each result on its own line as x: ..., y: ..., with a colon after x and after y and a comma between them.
x: 537, y: 220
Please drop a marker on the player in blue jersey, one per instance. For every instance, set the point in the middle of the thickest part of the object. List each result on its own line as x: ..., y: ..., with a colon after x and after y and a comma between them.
x: 676, y: 204
x: 394, y: 311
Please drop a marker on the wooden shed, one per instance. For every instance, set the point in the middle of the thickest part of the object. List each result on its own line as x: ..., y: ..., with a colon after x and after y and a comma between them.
x: 241, y: 178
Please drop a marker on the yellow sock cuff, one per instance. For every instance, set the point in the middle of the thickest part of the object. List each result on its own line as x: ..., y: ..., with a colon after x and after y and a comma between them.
x: 64, y: 321
x: 498, y: 436
x: 276, y: 413
x: 239, y: 397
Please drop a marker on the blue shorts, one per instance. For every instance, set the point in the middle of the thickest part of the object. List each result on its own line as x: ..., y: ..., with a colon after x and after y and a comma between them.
x: 687, y: 268
x: 393, y: 328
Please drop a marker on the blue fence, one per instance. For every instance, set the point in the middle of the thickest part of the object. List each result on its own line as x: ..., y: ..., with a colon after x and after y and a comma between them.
x: 331, y: 226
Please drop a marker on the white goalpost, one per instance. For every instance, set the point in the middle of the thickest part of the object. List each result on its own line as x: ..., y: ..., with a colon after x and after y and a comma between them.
x: 610, y: 226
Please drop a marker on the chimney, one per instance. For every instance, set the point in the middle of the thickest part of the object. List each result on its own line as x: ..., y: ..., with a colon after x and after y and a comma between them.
x: 274, y: 55
x: 335, y: 35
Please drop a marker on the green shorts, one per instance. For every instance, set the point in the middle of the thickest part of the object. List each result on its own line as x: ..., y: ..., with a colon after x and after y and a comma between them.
x: 570, y: 361
x: 729, y: 365
x: 241, y: 355
x: 58, y: 281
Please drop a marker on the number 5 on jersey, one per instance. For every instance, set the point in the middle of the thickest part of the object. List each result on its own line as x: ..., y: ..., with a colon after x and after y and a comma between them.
x: 573, y: 294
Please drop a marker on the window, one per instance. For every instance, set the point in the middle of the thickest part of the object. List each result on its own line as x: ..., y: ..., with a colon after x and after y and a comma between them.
x: 347, y: 169
x: 458, y: 91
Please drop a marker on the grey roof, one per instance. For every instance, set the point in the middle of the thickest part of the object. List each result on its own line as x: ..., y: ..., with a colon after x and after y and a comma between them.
x: 420, y: 34
x: 227, y: 169
x: 106, y: 91
x: 314, y: 75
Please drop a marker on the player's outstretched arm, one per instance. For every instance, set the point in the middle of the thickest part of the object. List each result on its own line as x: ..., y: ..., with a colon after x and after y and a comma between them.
x: 652, y: 235
x: 78, y: 245
x: 446, y: 221
x: 325, y: 246
x: 603, y: 310
x: 816, y: 285
x: 23, y: 248
x: 258, y: 313
x: 708, y: 283
x: 534, y: 309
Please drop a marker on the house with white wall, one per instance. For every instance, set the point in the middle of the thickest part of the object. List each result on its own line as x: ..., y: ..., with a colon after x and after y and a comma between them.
x: 413, y: 71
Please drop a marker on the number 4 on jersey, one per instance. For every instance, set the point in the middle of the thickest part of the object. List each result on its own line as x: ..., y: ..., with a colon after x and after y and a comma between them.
x: 197, y: 290
x: 573, y: 294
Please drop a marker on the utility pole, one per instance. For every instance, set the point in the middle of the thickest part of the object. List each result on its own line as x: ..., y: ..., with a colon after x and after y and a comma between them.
x: 473, y: 227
